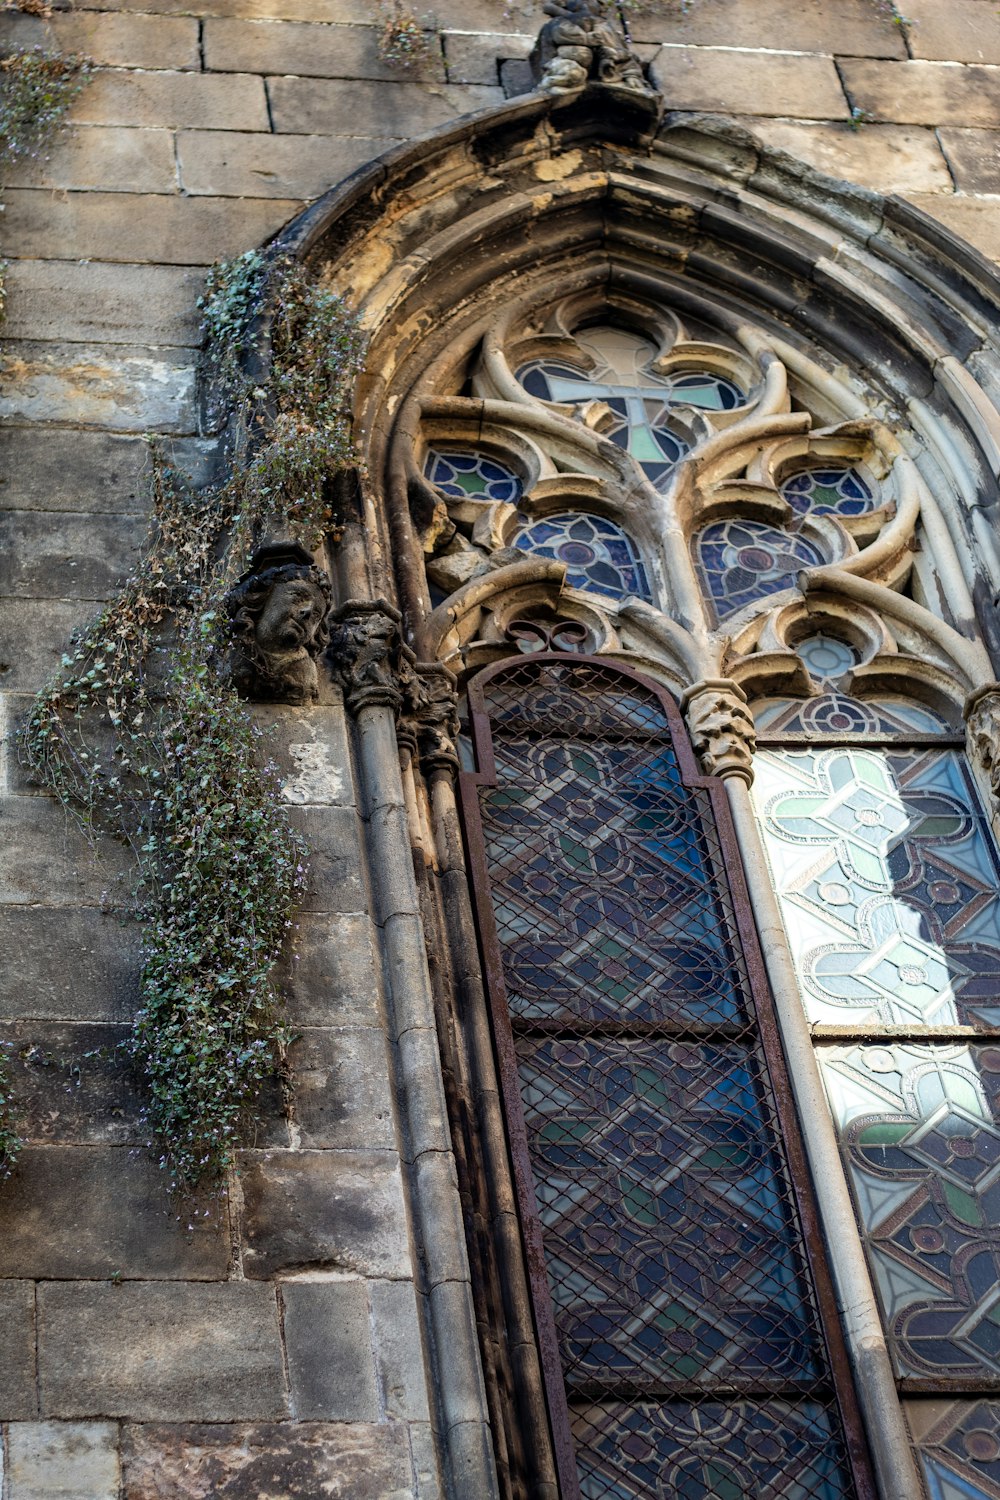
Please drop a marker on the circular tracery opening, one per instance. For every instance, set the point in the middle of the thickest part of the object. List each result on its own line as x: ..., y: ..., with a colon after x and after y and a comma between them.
x: 598, y: 554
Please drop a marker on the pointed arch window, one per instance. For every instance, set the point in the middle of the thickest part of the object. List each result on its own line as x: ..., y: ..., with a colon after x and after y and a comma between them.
x: 690, y: 1344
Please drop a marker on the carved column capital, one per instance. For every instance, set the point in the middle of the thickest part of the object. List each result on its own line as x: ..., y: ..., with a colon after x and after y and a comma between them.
x: 721, y: 727
x: 367, y: 654
x: 982, y: 728
x: 437, y: 717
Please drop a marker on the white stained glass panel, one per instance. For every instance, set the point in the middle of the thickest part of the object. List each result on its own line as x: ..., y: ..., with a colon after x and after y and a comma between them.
x: 889, y: 885
x: 921, y: 1146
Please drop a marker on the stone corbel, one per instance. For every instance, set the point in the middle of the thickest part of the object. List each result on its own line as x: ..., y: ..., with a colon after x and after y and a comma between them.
x: 367, y: 654
x: 721, y: 727
x: 279, y: 624
x: 982, y: 728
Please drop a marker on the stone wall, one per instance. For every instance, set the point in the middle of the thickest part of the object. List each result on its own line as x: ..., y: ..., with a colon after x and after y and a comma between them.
x: 280, y: 1338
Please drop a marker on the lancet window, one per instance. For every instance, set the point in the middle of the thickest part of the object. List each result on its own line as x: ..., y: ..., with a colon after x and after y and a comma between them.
x: 673, y: 502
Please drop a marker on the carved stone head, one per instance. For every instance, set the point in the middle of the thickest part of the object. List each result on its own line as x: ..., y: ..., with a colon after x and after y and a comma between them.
x: 279, y: 613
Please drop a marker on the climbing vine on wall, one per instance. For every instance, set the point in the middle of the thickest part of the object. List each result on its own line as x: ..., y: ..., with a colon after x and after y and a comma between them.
x: 141, y: 736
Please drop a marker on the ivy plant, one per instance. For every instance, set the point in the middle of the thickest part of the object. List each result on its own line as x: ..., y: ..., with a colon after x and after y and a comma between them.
x: 141, y: 736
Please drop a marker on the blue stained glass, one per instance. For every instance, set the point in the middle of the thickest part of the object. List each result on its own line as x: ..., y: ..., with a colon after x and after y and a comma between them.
x: 471, y: 476
x: 598, y: 554
x: 829, y: 492
x: 740, y: 561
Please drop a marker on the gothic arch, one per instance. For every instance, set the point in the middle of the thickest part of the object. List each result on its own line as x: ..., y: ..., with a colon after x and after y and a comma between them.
x: 858, y: 336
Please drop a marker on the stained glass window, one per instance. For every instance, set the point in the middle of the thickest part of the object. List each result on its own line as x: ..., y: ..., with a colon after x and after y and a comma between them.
x: 471, y: 476
x: 598, y: 554
x: 832, y: 491
x: 691, y: 1351
x: 888, y: 876
x: 642, y: 402
x: 837, y: 714
x: 890, y: 882
x: 740, y: 561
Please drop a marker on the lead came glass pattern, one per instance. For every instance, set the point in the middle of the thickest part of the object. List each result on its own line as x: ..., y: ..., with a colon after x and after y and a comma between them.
x: 921, y: 1143
x: 959, y: 1444
x: 472, y: 476
x: 741, y: 561
x: 889, y: 882
x: 725, y: 1451
x: 837, y: 714
x: 673, y: 1253
x: 829, y: 492
x: 642, y: 402
x: 598, y: 554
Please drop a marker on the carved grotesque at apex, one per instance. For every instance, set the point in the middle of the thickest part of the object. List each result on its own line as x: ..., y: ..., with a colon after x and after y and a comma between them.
x: 279, y: 611
x: 583, y: 41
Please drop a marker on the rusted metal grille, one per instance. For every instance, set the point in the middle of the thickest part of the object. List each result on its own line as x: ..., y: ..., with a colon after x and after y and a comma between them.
x: 660, y: 1181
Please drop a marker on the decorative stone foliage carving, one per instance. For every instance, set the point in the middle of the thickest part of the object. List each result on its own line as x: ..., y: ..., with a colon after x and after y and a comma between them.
x: 982, y: 716
x: 584, y: 39
x: 721, y: 727
x: 367, y: 654
x: 279, y: 611
x: 436, y: 716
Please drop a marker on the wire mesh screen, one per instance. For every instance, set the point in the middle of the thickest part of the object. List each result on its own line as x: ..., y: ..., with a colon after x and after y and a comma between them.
x: 688, y: 1333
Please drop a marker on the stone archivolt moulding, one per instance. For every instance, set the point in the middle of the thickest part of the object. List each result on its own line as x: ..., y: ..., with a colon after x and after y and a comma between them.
x: 861, y: 330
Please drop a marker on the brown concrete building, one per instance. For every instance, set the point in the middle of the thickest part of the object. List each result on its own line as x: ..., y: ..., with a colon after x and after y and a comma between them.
x: 634, y: 1131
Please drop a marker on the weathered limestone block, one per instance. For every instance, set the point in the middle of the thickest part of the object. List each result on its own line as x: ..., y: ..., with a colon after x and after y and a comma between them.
x: 924, y: 93
x: 324, y: 1210
x: 156, y: 228
x: 399, y: 1354
x: 160, y: 1351
x: 91, y: 968
x: 62, y: 1461
x: 327, y: 51
x: 66, y: 301
x: 328, y: 1339
x: 343, y: 1461
x: 251, y: 165
x: 341, y: 1087
x: 328, y: 973
x: 206, y: 101
x: 18, y: 1399
x: 118, y: 41
x: 752, y: 83
x: 73, y: 1083
x: 118, y: 387
x: 67, y: 555
x: 333, y: 880
x: 114, y: 1217
x: 317, y: 106
x: 105, y: 158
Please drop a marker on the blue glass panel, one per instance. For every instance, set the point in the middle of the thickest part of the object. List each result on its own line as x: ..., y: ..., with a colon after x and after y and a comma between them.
x: 740, y: 561
x: 471, y: 476
x: 598, y: 554
x: 829, y: 491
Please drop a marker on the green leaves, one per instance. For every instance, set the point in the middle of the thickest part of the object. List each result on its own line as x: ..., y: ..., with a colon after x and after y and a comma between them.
x: 141, y: 736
